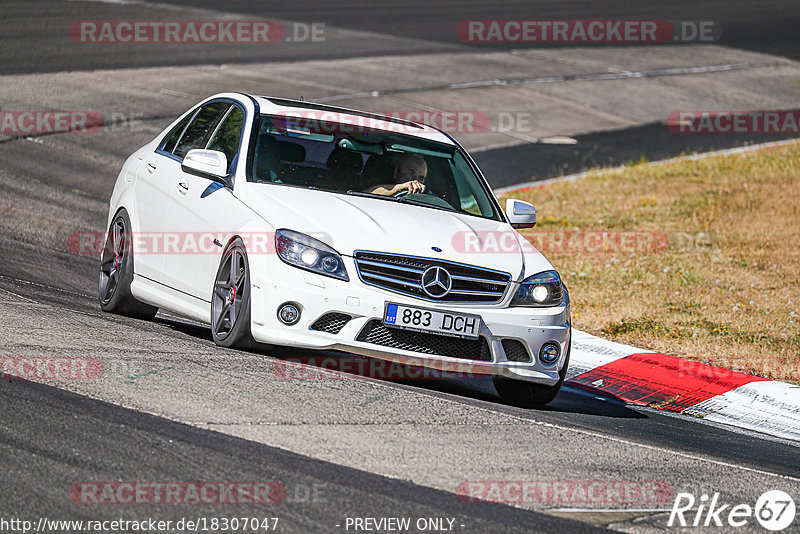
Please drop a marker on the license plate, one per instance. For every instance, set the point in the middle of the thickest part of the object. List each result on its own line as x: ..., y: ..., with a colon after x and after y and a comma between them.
x: 425, y: 320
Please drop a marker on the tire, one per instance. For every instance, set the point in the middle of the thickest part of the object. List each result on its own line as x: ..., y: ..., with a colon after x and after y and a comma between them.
x: 230, y: 299
x: 116, y: 272
x: 527, y: 394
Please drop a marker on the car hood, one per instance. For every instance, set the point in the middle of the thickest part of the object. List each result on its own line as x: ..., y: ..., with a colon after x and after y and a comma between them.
x: 349, y: 223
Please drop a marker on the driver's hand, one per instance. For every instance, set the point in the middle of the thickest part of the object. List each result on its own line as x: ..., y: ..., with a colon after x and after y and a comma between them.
x: 413, y: 186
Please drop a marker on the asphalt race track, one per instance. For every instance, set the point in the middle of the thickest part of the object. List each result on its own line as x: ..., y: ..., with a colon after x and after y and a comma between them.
x: 171, y: 406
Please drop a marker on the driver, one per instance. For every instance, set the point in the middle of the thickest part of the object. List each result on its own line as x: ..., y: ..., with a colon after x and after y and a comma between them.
x: 409, y: 175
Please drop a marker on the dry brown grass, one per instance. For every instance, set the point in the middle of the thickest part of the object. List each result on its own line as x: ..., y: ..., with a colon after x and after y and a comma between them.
x: 720, y: 281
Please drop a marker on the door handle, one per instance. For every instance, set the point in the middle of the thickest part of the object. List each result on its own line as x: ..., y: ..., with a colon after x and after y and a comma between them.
x: 183, y: 187
x: 151, y: 167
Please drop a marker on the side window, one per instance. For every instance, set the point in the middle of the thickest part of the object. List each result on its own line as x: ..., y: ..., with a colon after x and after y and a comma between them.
x: 198, y: 131
x: 226, y: 139
x: 175, y: 134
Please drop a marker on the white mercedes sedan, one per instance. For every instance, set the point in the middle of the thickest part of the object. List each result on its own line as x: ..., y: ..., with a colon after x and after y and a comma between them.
x: 298, y: 224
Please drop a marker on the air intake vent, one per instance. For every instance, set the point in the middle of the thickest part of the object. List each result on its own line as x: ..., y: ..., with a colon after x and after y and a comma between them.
x: 516, y: 351
x: 331, y: 322
x: 468, y: 349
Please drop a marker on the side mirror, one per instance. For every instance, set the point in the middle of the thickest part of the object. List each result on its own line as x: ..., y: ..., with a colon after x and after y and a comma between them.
x: 211, y: 164
x: 520, y: 214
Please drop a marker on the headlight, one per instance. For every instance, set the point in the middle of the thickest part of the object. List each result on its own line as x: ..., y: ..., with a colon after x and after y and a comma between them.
x: 310, y: 254
x: 543, y: 289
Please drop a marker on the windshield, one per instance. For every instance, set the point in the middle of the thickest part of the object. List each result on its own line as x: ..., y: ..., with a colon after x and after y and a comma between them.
x: 370, y: 163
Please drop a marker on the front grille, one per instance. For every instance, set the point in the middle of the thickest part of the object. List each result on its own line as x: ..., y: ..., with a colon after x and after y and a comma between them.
x: 403, y: 274
x: 331, y: 322
x: 468, y: 349
x: 516, y: 351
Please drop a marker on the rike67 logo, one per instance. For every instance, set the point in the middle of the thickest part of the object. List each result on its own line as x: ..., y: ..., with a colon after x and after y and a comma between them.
x: 774, y: 510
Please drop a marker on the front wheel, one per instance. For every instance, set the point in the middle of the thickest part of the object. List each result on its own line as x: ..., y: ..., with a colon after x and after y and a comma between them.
x: 230, y: 300
x: 527, y: 394
x: 116, y: 272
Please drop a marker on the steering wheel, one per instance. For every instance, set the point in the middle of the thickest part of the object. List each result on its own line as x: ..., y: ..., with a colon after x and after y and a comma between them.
x: 401, y: 193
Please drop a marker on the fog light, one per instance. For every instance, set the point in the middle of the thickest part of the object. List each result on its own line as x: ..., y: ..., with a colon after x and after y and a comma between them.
x: 289, y: 313
x: 549, y: 353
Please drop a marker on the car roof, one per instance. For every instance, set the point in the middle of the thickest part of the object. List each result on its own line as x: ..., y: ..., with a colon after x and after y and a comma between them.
x: 375, y: 121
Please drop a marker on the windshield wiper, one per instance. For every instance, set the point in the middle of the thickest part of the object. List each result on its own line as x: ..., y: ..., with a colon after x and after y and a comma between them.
x: 373, y: 195
x: 403, y: 199
x: 425, y: 204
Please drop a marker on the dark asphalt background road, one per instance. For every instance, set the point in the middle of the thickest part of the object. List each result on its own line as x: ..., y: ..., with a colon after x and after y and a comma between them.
x: 50, y: 438
x: 56, y: 439
x: 39, y: 43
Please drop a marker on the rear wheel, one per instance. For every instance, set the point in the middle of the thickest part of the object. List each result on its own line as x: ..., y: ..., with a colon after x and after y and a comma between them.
x: 230, y: 300
x: 116, y: 272
x: 527, y: 394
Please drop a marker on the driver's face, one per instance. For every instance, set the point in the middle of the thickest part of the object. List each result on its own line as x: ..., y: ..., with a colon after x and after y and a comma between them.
x: 411, y: 171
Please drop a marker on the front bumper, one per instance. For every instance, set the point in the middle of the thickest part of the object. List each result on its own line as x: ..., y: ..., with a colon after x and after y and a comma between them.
x: 316, y: 295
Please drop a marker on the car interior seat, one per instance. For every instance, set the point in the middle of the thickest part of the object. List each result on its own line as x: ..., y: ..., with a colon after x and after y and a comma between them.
x: 378, y: 170
x: 345, y: 166
x: 266, y: 161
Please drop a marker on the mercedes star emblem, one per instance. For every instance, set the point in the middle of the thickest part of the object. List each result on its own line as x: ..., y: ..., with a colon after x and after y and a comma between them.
x: 436, y: 282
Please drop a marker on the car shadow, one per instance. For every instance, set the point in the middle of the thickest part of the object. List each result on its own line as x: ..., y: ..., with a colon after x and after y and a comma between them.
x: 571, y: 399
x: 180, y: 325
x: 297, y: 363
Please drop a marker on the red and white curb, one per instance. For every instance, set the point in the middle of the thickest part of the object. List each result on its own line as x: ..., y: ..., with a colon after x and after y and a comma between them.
x: 669, y: 383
